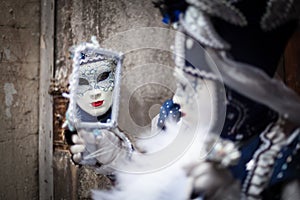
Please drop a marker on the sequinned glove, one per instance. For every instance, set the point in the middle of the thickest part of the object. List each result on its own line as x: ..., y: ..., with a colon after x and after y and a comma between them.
x: 168, y: 111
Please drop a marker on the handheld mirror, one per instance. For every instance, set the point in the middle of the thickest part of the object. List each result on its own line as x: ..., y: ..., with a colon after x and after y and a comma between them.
x: 94, y: 87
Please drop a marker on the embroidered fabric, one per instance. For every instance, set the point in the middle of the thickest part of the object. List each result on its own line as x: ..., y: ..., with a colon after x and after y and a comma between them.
x: 244, y: 117
x: 279, y: 12
x: 245, y: 79
x: 222, y: 9
x: 198, y: 25
x: 198, y: 15
x: 258, y: 86
x: 241, y: 112
x: 254, y: 99
x: 197, y: 22
x: 263, y: 161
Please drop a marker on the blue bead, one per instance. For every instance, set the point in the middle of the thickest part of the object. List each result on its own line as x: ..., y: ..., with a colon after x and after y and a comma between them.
x: 280, y: 175
x: 280, y: 155
x: 284, y: 166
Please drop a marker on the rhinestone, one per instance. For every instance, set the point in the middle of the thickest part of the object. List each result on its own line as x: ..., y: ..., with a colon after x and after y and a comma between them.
x: 189, y: 43
x: 289, y: 159
x: 239, y: 137
x: 250, y: 165
x: 284, y: 166
x: 280, y: 175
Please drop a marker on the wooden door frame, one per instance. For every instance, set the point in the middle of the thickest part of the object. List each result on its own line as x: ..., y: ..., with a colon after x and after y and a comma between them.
x: 45, y: 148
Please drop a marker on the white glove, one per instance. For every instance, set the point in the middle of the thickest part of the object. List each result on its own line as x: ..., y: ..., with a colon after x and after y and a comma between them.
x: 77, y: 149
x: 90, y: 148
x: 212, y: 182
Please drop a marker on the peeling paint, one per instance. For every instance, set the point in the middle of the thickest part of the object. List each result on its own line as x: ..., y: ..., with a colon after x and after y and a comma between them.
x: 9, y: 91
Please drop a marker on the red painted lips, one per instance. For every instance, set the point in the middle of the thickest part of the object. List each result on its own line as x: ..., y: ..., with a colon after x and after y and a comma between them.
x: 97, y: 103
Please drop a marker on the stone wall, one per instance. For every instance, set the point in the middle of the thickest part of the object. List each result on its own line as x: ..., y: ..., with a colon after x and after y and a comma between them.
x: 19, y: 79
x: 133, y: 27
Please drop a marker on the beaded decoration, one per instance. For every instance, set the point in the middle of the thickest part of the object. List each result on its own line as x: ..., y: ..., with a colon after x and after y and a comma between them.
x: 279, y: 12
x: 196, y: 21
x: 260, y: 167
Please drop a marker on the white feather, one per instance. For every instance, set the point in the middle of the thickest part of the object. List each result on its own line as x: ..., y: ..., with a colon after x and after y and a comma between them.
x: 144, y: 179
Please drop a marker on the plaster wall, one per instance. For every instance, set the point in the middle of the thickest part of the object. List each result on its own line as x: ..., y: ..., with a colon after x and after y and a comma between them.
x: 19, y: 84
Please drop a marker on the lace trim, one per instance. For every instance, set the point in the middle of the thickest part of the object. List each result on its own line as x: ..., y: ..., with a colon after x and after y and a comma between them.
x: 196, y: 20
x: 222, y: 9
x: 263, y: 161
x: 199, y: 26
x: 279, y: 12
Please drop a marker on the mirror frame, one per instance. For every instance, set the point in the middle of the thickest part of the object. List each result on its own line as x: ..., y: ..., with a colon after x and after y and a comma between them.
x: 73, y: 81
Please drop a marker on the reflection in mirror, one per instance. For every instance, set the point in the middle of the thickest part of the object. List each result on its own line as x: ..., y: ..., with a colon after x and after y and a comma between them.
x: 93, y: 108
x: 94, y: 87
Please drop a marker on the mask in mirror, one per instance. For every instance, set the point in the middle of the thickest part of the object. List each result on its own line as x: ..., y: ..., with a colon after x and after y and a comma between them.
x: 94, y: 87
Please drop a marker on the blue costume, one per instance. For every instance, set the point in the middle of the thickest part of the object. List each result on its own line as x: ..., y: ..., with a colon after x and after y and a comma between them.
x: 248, y: 35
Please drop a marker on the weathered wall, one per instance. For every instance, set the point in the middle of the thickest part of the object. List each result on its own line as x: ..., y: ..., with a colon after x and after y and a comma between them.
x: 122, y: 26
x: 19, y: 67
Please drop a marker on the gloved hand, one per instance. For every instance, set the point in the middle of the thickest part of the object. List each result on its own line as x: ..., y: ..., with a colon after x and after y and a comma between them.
x: 77, y: 149
x: 212, y: 182
x: 168, y: 111
x: 96, y: 147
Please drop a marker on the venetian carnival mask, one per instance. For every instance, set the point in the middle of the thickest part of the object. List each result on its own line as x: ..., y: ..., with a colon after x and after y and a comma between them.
x: 94, y: 87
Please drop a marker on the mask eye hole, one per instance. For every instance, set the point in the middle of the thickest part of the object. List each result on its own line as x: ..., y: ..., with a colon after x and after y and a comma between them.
x: 103, y: 76
x: 83, y: 81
